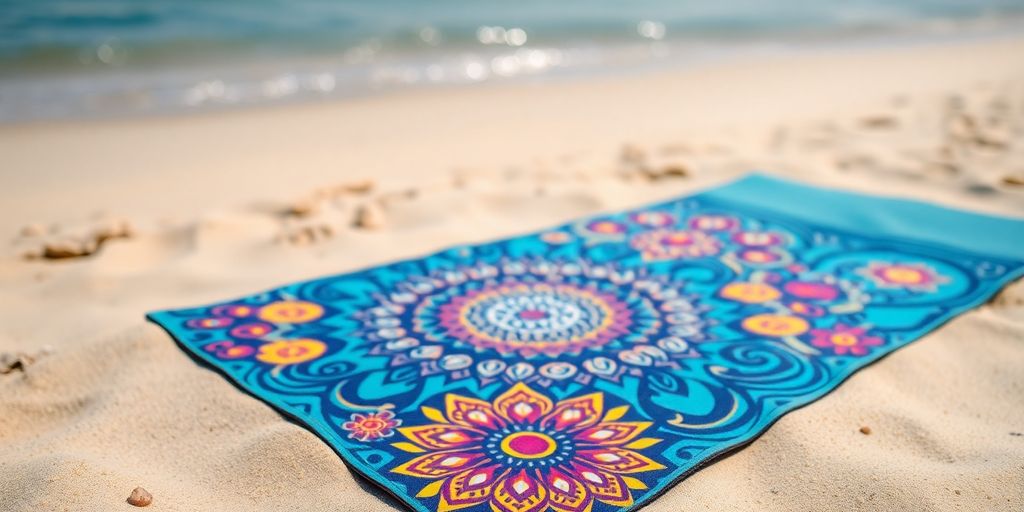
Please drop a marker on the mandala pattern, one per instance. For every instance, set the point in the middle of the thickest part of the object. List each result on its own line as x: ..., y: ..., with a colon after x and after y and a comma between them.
x: 526, y: 452
x: 588, y: 367
x: 534, y: 321
x: 532, y: 318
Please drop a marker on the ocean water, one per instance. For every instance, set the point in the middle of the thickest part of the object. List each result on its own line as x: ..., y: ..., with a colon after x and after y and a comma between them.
x: 73, y: 58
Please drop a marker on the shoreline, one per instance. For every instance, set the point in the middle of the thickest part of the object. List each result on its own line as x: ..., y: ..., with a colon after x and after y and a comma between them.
x: 200, y: 88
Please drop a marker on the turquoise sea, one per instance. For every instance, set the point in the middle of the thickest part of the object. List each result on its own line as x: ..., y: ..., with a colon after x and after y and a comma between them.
x: 73, y: 58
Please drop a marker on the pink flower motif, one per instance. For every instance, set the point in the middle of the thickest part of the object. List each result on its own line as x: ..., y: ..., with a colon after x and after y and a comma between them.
x: 229, y: 350
x: 371, y: 426
x: 844, y: 339
x: 666, y: 244
x: 606, y: 227
x: 714, y: 223
x: 252, y: 331
x: 810, y: 290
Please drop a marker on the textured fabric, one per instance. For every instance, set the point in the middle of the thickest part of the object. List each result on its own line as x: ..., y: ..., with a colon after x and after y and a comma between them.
x: 595, y: 364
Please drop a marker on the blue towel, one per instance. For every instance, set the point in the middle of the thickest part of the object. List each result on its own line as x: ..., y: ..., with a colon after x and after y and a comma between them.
x: 593, y: 365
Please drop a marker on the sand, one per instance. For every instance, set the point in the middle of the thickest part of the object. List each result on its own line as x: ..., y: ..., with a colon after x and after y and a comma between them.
x: 186, y: 210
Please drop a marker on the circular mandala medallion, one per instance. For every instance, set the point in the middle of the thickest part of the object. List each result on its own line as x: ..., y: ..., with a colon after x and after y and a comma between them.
x: 534, y: 321
x: 532, y: 318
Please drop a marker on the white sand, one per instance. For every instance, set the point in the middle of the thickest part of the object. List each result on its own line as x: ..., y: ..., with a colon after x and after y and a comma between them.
x: 116, y: 404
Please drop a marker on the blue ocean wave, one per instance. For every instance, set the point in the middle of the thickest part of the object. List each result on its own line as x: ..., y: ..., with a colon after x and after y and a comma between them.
x: 98, y: 57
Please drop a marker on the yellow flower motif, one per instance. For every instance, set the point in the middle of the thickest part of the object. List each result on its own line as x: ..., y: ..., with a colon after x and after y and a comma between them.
x: 750, y: 293
x: 776, y: 325
x: 291, y: 312
x: 911, y: 276
x: 291, y: 351
x: 904, y: 275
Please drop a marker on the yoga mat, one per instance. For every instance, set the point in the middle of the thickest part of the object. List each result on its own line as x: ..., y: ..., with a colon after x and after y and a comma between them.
x: 595, y: 364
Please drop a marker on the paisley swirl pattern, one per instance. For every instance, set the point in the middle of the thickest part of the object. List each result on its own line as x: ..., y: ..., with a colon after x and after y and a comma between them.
x: 587, y: 367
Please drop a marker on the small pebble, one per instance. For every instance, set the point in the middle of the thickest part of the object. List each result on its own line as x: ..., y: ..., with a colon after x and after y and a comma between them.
x: 866, y: 430
x: 140, y: 497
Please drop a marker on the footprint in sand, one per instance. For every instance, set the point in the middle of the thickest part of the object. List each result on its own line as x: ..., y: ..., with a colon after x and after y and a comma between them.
x: 59, y: 243
x: 636, y: 163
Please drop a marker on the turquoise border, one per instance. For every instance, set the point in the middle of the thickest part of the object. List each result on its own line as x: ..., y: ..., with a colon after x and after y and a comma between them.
x: 875, y: 216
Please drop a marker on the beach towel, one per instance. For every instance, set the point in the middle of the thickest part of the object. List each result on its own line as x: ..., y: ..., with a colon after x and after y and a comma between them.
x: 593, y: 365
